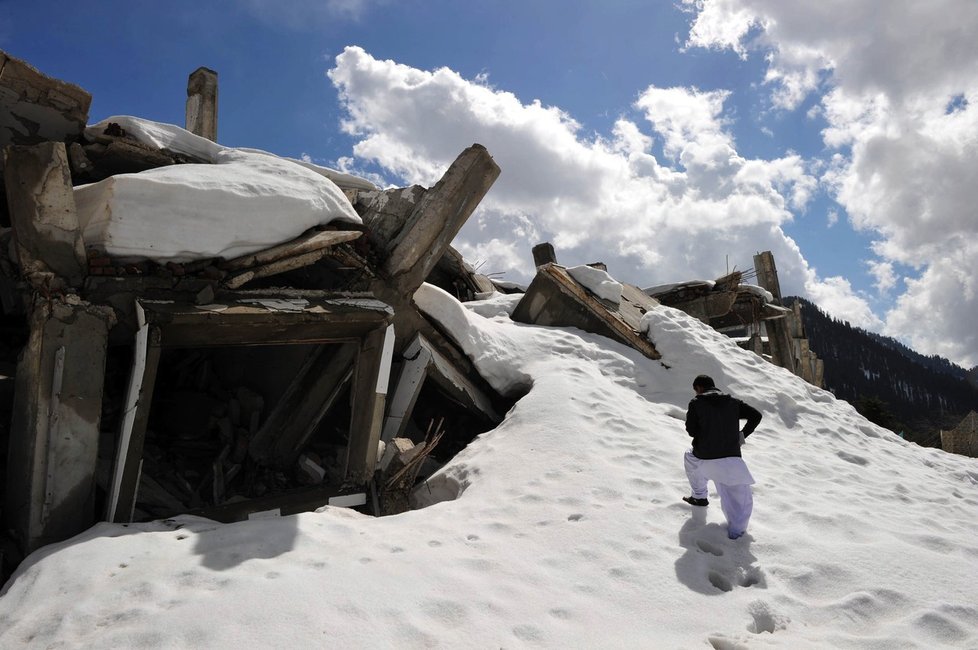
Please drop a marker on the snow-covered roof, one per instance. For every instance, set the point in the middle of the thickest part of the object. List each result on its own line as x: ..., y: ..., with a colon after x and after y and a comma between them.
x: 238, y: 202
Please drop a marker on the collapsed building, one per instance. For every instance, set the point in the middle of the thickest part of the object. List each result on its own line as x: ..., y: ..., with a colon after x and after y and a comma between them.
x: 253, y: 382
x: 753, y: 315
x: 155, y: 364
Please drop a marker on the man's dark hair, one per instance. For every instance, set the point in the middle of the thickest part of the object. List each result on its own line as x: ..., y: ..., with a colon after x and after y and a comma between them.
x: 704, y: 381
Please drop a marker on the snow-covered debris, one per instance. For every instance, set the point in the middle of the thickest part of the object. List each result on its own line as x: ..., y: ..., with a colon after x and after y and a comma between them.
x: 159, y: 135
x: 765, y: 295
x: 597, y: 282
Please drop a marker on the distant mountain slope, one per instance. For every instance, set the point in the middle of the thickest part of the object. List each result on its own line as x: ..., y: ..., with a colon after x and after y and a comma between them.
x: 888, y: 382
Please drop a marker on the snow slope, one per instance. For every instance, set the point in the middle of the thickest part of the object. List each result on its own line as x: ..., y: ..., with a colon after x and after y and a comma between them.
x: 567, y: 530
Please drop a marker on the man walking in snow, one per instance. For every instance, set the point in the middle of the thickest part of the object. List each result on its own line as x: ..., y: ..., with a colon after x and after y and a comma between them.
x: 713, y: 421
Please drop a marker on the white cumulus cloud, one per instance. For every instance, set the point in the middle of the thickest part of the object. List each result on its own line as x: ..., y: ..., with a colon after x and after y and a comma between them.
x: 596, y: 198
x: 900, y: 84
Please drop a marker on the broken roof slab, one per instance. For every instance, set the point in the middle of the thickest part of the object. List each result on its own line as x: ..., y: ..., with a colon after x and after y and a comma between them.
x: 554, y: 298
x: 35, y: 107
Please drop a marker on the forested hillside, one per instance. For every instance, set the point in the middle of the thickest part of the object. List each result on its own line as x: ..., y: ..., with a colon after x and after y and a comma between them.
x: 889, y: 383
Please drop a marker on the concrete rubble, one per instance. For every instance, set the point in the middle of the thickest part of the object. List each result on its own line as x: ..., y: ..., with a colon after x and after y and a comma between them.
x: 282, y: 380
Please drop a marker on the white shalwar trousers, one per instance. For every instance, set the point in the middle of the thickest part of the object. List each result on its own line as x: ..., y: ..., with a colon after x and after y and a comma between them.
x: 733, y: 481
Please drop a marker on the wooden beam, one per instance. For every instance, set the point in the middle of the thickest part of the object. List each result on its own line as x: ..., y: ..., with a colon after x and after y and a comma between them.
x: 264, y: 319
x: 275, y: 268
x: 307, y: 243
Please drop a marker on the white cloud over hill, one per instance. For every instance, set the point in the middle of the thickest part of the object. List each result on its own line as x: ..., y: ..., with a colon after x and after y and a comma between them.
x: 900, y: 85
x: 596, y: 198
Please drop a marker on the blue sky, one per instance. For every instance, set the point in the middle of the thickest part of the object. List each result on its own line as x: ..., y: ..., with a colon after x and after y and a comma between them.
x: 667, y: 139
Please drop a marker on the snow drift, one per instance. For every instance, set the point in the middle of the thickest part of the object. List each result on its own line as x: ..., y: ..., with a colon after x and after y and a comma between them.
x: 565, y: 530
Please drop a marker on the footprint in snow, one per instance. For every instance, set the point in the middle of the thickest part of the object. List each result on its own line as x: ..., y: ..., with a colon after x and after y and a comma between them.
x: 707, y: 547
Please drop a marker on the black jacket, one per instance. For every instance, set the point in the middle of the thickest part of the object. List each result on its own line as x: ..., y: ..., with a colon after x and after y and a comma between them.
x: 713, y: 421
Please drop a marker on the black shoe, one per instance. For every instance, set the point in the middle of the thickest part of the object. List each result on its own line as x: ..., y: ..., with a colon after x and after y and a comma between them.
x: 693, y: 501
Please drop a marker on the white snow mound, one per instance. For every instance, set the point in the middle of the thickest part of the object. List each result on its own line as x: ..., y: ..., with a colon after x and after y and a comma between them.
x: 598, y: 282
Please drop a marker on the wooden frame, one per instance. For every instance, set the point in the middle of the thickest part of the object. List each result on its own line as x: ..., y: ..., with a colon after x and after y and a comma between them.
x: 256, y: 318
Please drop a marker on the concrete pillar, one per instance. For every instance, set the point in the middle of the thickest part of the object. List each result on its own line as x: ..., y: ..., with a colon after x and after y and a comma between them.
x: 202, y: 103
x: 370, y: 382
x: 414, y: 371
x: 55, y: 424
x: 438, y: 217
x: 42, y: 211
x: 782, y: 351
x: 544, y: 254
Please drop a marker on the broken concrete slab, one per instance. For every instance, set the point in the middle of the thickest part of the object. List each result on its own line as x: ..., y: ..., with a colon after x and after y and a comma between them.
x: 35, y: 107
x: 42, y: 211
x: 554, y: 298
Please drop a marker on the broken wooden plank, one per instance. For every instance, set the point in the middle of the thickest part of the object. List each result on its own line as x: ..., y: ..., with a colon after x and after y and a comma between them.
x: 414, y: 370
x: 307, y: 243
x: 129, y: 451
